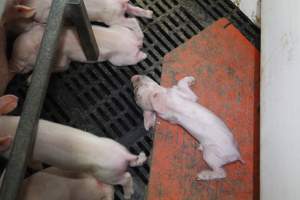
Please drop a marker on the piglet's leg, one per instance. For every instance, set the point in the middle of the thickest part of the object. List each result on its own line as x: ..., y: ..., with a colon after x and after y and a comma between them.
x: 184, y: 86
x: 200, y: 147
x: 108, y: 192
x: 149, y: 119
x: 207, y: 175
x: 137, y: 11
x: 127, y: 184
x: 215, y: 163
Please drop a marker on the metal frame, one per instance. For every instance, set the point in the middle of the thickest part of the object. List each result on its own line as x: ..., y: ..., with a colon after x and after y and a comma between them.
x: 21, y: 151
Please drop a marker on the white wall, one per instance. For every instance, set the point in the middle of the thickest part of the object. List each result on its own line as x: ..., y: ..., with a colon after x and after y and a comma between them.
x: 280, y: 100
x: 251, y: 8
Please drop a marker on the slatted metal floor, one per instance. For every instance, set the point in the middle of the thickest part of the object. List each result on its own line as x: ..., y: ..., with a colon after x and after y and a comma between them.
x: 98, y: 97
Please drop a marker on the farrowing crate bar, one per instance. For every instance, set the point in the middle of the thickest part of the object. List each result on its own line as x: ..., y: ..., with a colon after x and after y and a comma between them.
x: 20, y: 153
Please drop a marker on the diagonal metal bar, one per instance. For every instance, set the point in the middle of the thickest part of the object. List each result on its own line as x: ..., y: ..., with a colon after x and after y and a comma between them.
x: 77, y: 14
x: 26, y: 132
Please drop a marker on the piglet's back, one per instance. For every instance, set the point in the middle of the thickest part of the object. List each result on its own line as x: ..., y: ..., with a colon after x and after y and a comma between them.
x: 207, y: 127
x: 115, y: 39
x: 71, y: 148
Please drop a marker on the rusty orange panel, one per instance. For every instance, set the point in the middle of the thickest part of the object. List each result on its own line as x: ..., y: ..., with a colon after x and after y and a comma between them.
x: 226, y: 67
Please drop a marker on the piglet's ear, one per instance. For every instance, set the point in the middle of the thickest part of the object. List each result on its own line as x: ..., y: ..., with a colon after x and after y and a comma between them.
x: 158, y: 101
x: 149, y: 119
x: 24, y: 11
x: 8, y: 103
x: 5, y: 142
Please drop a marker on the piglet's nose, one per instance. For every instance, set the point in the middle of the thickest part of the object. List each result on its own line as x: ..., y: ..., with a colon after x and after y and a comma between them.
x: 135, y: 78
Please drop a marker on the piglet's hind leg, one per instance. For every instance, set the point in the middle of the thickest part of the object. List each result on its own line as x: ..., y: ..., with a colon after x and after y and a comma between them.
x: 138, y: 160
x: 139, y: 11
x: 215, y: 163
x: 127, y: 183
x: 206, y: 175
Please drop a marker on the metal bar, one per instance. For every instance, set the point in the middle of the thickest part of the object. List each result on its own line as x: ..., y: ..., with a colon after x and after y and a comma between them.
x: 2, y: 7
x: 77, y: 14
x: 26, y: 132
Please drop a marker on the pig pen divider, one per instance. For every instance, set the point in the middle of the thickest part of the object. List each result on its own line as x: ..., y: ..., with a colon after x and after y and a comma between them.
x: 18, y: 156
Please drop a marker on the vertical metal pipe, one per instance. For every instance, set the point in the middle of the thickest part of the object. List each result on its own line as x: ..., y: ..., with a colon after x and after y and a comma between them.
x: 26, y: 132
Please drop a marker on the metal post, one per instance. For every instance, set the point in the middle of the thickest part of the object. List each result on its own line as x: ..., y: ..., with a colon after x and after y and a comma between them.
x: 77, y: 14
x: 26, y: 132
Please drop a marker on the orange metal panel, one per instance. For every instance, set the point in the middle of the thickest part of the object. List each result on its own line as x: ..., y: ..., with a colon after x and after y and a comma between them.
x: 226, y: 67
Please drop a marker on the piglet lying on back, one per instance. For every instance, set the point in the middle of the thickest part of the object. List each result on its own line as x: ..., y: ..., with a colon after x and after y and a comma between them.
x: 116, y: 44
x: 179, y: 105
x: 75, y: 150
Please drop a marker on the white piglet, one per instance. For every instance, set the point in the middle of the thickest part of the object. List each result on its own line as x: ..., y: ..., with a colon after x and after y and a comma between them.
x: 116, y: 44
x: 71, y: 149
x: 56, y: 184
x: 111, y: 12
x: 12, y: 14
x: 178, y: 105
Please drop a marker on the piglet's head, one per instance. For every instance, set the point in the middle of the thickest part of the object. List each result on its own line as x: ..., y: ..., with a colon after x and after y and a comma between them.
x: 143, y: 88
x: 7, y: 104
x: 150, y: 97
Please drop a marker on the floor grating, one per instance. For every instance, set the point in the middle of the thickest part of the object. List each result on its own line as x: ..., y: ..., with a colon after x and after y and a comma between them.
x: 98, y: 97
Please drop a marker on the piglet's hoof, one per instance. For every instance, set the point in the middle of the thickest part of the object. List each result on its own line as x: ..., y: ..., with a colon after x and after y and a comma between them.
x: 129, y: 194
x: 207, y: 175
x: 190, y: 80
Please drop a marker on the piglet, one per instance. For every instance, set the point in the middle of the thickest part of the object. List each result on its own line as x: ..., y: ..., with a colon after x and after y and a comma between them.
x: 56, y: 184
x: 111, y: 12
x: 116, y: 44
x: 71, y: 149
x: 11, y: 15
x: 178, y: 105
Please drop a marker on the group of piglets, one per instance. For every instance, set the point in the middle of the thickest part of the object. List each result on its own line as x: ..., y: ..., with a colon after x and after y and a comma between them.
x: 119, y: 42
x: 79, y: 159
x: 84, y: 166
